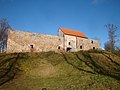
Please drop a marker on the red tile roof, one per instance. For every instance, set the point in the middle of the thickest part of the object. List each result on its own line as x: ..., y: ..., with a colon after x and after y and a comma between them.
x: 73, y: 32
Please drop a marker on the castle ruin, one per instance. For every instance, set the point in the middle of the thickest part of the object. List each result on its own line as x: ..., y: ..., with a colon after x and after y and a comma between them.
x: 66, y: 40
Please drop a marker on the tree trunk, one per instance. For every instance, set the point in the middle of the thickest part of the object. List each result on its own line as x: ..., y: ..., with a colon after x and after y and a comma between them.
x: 3, y: 46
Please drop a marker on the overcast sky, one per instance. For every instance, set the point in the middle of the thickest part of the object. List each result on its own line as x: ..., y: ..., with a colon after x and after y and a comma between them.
x: 46, y: 16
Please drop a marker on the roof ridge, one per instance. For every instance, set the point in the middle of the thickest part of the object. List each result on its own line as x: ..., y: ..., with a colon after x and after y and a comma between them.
x: 73, y: 32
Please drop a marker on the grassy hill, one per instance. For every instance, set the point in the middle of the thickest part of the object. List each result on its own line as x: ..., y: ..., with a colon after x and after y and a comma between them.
x: 85, y: 70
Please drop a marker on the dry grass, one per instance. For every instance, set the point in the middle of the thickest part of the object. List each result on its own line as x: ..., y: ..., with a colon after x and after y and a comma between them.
x: 85, y: 70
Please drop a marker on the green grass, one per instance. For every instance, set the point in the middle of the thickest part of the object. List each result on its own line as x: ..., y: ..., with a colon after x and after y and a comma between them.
x: 85, y: 70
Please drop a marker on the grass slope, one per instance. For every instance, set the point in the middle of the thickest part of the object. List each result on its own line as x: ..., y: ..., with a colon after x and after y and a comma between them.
x: 85, y: 70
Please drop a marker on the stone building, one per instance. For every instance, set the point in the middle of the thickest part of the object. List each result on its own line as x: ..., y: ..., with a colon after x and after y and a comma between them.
x: 67, y: 40
x: 71, y: 40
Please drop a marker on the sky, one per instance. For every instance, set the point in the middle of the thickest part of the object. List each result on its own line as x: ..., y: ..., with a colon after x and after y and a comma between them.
x: 47, y: 16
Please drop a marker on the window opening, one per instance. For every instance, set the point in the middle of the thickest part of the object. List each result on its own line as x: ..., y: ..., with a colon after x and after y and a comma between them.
x: 93, y: 47
x: 80, y: 47
x: 92, y: 41
x: 69, y: 43
x: 59, y: 47
x: 31, y: 46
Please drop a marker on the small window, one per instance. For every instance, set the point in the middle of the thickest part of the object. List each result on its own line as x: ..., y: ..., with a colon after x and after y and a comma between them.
x: 69, y: 43
x: 92, y: 41
x: 93, y: 47
x: 59, y: 47
x: 80, y: 47
x: 31, y: 46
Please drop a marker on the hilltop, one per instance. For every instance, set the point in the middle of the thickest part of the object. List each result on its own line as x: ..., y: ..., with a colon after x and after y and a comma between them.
x: 93, y: 70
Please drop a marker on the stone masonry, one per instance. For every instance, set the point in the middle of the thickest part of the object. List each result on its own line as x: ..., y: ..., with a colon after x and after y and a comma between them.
x: 21, y: 41
x: 71, y: 40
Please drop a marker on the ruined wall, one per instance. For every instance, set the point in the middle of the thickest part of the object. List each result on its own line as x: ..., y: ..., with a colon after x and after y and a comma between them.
x: 80, y: 43
x: 86, y: 44
x: 61, y: 40
x: 20, y: 41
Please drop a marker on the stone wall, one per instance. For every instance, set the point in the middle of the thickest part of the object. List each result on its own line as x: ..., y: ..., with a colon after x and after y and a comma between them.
x: 70, y: 42
x: 61, y: 39
x: 74, y: 43
x: 20, y: 41
x: 86, y: 44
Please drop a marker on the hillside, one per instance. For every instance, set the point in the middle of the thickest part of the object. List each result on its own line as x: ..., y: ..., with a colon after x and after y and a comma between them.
x: 85, y: 70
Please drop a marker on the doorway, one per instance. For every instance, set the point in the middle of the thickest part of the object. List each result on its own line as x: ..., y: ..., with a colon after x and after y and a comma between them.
x: 68, y: 49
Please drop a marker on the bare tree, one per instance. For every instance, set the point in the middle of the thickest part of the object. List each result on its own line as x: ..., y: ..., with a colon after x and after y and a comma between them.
x: 118, y: 44
x: 110, y: 44
x: 107, y: 45
x: 3, y: 34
